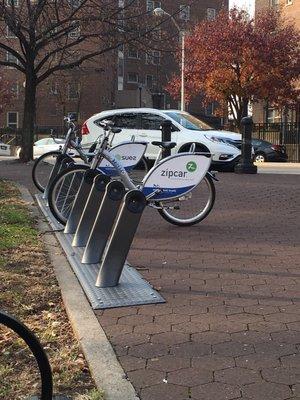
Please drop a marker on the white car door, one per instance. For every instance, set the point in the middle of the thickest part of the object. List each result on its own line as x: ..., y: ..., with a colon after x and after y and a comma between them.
x: 52, y: 145
x: 150, y: 131
x: 40, y: 147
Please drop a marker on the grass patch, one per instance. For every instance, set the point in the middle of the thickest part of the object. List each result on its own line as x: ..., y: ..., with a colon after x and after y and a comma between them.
x: 29, y: 291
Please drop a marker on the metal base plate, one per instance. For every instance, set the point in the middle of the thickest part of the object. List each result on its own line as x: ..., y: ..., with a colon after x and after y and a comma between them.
x: 132, y: 289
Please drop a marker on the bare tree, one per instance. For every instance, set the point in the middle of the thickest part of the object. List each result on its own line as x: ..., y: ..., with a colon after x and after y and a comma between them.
x: 42, y: 37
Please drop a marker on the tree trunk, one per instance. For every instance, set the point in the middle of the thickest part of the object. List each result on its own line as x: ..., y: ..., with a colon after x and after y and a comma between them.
x: 29, y: 117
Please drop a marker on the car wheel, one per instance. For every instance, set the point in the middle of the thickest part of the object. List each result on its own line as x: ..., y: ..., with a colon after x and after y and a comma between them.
x: 260, y: 157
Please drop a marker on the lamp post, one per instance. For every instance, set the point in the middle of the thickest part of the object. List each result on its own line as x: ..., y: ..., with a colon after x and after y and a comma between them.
x: 159, y: 12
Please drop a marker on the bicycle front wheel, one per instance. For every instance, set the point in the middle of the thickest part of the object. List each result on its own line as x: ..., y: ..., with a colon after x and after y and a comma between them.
x: 191, y: 208
x: 63, y: 190
x: 42, y: 169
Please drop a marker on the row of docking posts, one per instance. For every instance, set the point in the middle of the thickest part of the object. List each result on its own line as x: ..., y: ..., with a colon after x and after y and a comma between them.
x: 104, y: 219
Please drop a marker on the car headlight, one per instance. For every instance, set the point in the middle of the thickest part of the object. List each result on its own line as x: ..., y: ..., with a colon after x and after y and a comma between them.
x: 214, y: 139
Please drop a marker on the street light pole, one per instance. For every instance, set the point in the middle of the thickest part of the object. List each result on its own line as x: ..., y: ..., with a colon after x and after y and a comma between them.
x: 182, y: 35
x: 159, y: 12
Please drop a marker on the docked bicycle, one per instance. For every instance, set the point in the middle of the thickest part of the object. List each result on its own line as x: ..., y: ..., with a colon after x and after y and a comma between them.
x: 179, y: 187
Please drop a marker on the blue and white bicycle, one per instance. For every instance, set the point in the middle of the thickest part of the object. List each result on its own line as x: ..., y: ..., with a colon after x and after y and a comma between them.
x: 179, y: 187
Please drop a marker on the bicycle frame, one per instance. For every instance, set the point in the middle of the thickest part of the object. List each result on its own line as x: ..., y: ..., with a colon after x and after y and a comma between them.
x: 154, y: 192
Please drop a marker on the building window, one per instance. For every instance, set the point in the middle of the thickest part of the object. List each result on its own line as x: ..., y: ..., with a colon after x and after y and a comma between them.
x: 133, y: 52
x: 54, y: 88
x: 149, y: 81
x: 151, y: 5
x: 15, y: 89
x: 153, y: 57
x: 10, y: 34
x: 133, y: 77
x: 12, y: 3
x: 274, y: 3
x: 185, y: 12
x: 75, y: 33
x: 74, y: 3
x: 210, y: 14
x: 157, y: 33
x: 13, y: 119
x: 273, y: 115
x: 11, y: 58
x: 73, y: 91
x: 210, y: 108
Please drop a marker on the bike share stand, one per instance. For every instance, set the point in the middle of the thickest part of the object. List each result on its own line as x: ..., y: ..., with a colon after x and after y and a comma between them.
x: 99, y: 234
x: 121, y: 238
x: 119, y: 284
x: 80, y: 200
x: 90, y: 210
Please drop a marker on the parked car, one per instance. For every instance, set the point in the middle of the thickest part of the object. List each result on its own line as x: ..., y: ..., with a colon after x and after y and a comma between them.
x: 144, y: 124
x: 5, y: 149
x: 44, y: 146
x: 266, y: 151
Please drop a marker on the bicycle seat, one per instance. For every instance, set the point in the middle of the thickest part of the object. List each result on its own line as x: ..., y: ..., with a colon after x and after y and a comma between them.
x: 116, y: 130
x: 165, y: 145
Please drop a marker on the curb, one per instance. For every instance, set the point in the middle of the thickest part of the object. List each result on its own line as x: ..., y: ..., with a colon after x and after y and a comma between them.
x: 99, y: 354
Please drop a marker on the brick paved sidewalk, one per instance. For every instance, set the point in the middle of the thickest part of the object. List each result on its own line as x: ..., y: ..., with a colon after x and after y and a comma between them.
x: 231, y: 326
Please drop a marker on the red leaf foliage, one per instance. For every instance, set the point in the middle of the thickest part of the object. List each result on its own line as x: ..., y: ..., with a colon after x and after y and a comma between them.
x: 234, y: 59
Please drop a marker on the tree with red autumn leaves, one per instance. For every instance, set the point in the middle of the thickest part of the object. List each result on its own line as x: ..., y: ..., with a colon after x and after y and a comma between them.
x: 5, y: 94
x: 235, y: 60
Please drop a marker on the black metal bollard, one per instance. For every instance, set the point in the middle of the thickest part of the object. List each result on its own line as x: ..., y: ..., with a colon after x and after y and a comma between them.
x: 245, y: 165
x: 121, y: 238
x: 166, y: 133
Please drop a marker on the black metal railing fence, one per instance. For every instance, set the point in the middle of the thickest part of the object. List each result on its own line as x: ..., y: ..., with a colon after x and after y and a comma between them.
x: 279, y: 133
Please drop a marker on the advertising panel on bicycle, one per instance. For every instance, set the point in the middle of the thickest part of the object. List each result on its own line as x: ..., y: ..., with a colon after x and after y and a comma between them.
x: 128, y: 154
x: 175, y: 176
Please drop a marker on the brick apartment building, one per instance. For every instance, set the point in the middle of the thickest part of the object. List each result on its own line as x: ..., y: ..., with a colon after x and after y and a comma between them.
x: 265, y: 113
x: 129, y: 77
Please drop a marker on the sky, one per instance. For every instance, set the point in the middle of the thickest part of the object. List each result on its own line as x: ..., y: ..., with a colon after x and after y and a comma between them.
x: 245, y: 4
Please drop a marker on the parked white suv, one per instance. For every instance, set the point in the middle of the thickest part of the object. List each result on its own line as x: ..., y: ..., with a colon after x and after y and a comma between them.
x: 144, y: 124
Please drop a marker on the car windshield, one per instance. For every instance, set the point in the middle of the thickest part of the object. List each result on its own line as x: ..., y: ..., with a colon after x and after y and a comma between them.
x: 188, y: 121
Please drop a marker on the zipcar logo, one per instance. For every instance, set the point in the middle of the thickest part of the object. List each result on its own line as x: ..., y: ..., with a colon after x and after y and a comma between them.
x: 191, y: 166
x: 173, y: 174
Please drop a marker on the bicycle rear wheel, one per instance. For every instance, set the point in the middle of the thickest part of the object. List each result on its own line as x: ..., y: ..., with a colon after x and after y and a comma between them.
x: 37, y: 350
x: 191, y: 208
x: 42, y: 169
x: 63, y: 190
